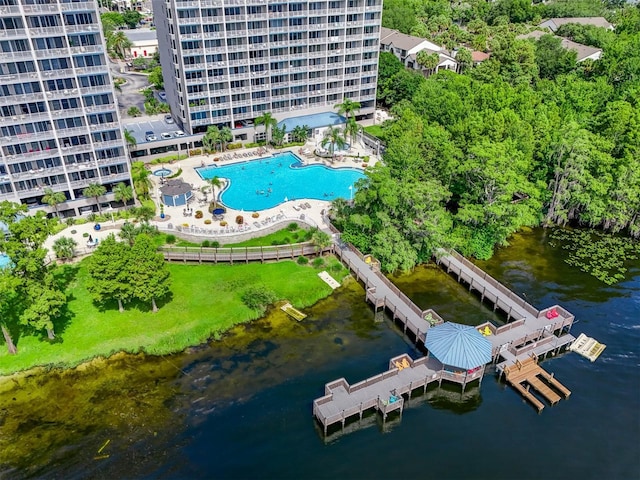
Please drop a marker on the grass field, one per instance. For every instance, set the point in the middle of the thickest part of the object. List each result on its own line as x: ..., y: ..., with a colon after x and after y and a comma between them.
x: 205, y: 301
x: 281, y: 237
x: 375, y: 130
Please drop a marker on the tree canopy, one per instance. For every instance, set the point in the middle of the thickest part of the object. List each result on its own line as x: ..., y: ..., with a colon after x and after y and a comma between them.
x: 528, y: 137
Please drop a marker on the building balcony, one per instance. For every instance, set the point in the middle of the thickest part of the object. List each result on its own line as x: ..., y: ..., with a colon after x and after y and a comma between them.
x: 47, y: 31
x: 59, y: 73
x: 96, y: 89
x: 14, y: 32
x: 77, y: 6
x: 16, y: 56
x: 76, y: 149
x: 58, y: 94
x: 95, y: 69
x: 51, y: 8
x: 75, y: 50
x: 108, y: 143
x: 17, y: 99
x: 83, y: 183
x: 104, y: 162
x: 115, y: 177
x: 89, y: 27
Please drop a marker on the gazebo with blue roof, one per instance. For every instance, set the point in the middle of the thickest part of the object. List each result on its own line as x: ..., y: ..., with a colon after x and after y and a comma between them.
x: 459, y: 346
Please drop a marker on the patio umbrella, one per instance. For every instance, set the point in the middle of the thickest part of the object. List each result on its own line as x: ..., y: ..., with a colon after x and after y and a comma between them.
x: 460, y: 346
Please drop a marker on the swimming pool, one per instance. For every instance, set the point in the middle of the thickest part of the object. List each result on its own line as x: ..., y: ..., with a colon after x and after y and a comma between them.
x: 4, y: 260
x: 268, y: 182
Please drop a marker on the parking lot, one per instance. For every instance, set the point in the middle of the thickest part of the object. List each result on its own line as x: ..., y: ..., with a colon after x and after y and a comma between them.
x: 157, y: 124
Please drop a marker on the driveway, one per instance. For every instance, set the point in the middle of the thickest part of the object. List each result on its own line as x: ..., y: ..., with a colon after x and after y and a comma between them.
x: 130, y: 95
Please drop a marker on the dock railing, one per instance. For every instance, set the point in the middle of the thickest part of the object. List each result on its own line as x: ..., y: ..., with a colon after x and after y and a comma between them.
x: 239, y: 254
x: 493, y: 282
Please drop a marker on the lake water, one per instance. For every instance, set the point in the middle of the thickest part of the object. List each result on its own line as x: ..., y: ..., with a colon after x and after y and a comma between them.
x: 241, y: 408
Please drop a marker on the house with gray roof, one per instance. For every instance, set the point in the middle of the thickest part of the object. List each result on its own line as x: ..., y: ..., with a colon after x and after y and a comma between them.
x: 144, y: 42
x: 583, y: 52
x: 554, y: 24
x: 406, y: 48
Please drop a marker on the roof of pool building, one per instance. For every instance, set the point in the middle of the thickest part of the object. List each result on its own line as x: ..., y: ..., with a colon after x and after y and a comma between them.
x: 316, y: 120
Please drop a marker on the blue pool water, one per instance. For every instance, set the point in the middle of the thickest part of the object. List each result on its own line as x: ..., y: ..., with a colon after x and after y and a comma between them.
x: 267, y: 182
x: 4, y: 260
x: 163, y: 172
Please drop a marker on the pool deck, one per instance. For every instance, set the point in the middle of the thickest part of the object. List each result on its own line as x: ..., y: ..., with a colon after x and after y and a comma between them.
x: 289, y: 211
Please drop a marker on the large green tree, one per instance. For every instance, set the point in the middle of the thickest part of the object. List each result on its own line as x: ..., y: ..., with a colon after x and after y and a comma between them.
x: 95, y: 190
x: 149, y: 276
x: 109, y: 270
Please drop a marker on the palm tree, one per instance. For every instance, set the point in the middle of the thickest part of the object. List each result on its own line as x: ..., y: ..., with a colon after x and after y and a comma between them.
x: 333, y: 137
x: 268, y: 121
x: 65, y: 248
x: 300, y: 133
x: 53, y: 199
x: 117, y: 43
x: 225, y: 137
x: 347, y: 107
x: 95, y: 190
x: 129, y: 138
x: 123, y: 193
x: 320, y: 240
x: 211, y: 138
x: 352, y: 129
x: 141, y: 182
x: 278, y: 135
x: 428, y: 61
x: 215, y: 182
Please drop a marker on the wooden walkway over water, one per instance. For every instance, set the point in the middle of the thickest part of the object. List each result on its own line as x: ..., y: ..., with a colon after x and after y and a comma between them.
x: 531, y: 334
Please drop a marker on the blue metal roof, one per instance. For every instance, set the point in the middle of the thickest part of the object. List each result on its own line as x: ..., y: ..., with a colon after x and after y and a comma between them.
x: 312, y: 121
x: 458, y: 345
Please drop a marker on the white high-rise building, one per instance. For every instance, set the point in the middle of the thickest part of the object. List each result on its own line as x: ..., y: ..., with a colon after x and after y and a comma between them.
x: 226, y: 62
x: 59, y: 122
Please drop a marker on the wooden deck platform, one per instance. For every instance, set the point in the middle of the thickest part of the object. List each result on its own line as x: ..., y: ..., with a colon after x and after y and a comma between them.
x: 515, y: 345
x: 383, y: 392
x: 529, y: 373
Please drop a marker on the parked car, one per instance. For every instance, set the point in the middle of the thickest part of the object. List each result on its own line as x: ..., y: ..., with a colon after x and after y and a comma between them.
x: 168, y: 119
x: 150, y: 136
x: 166, y: 135
x: 162, y: 95
x: 179, y: 133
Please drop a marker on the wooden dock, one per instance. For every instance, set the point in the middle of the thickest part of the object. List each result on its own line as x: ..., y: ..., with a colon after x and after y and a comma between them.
x: 529, y: 373
x: 530, y: 334
x: 383, y: 392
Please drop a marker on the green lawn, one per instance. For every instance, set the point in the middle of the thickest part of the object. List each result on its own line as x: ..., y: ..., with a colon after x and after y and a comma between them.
x: 376, y: 131
x: 205, y: 302
x: 281, y: 237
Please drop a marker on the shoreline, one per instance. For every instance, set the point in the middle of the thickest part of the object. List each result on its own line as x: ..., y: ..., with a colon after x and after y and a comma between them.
x: 15, y: 377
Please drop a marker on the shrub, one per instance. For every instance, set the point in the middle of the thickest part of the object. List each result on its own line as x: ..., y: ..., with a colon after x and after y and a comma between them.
x: 207, y: 221
x: 234, y: 146
x: 302, y: 260
x: 73, y: 232
x: 239, y: 219
x: 293, y: 226
x: 258, y: 297
x: 205, y: 243
x: 185, y: 225
x: 286, y: 240
x: 85, y: 235
x: 365, y: 158
x: 318, y: 262
x: 255, y: 215
x: 199, y: 214
x: 175, y: 175
x: 223, y: 223
x: 215, y: 244
x: 196, y: 151
x: 170, y: 239
x: 70, y: 221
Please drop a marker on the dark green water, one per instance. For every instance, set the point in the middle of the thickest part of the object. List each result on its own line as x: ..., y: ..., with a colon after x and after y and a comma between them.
x: 241, y: 408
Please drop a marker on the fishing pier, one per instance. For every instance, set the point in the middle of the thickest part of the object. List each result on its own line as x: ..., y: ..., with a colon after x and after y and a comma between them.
x: 514, y: 347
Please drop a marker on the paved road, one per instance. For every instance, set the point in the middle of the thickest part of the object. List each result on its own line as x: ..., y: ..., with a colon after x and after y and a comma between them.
x: 130, y: 95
